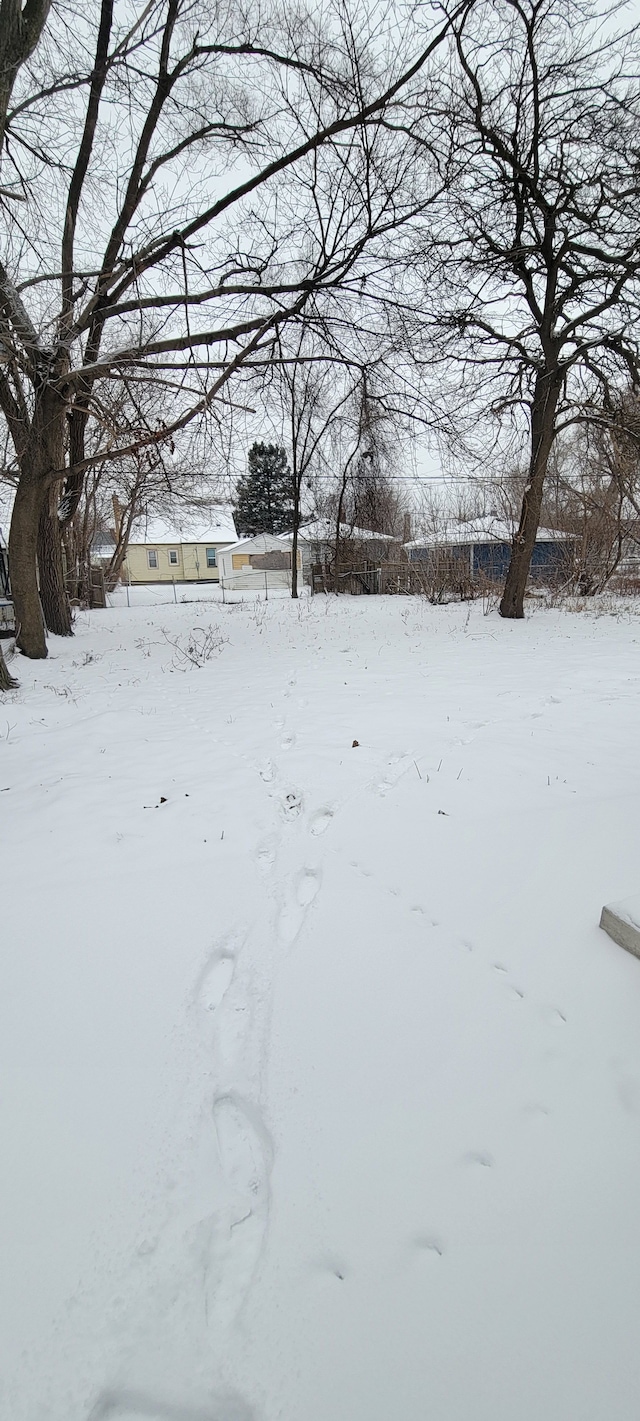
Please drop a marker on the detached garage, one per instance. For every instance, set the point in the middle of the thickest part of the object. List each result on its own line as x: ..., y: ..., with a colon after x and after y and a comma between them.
x: 254, y: 563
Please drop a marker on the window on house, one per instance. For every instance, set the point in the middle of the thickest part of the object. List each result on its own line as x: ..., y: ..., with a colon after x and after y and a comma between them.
x: 211, y: 557
x: 173, y: 557
x: 152, y: 557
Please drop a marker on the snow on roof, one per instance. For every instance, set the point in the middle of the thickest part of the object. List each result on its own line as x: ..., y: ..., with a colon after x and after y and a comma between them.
x: 185, y: 527
x: 323, y: 530
x: 481, y: 530
x: 261, y: 542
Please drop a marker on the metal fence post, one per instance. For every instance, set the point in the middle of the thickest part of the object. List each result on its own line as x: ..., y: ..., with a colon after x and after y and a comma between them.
x: 266, y: 586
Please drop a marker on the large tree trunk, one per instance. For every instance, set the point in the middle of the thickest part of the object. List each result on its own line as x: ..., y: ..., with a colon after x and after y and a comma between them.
x: 23, y: 544
x: 20, y: 30
x: 53, y: 593
x: 41, y: 458
x: 543, y: 428
x: 7, y: 682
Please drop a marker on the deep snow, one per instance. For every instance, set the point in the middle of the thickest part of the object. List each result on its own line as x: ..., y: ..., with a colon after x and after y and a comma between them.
x: 320, y: 1094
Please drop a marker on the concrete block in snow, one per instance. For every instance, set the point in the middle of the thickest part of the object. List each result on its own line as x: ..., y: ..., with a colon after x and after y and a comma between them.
x: 622, y: 922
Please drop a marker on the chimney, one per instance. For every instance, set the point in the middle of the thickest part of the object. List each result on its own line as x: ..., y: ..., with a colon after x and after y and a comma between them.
x: 406, y: 528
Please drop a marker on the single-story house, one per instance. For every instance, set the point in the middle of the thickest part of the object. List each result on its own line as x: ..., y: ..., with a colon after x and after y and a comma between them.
x: 7, y: 619
x: 177, y: 550
x: 261, y: 561
x: 482, y: 548
x: 317, y: 541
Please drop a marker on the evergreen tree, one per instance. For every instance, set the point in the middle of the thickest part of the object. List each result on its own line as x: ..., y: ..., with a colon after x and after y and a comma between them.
x: 264, y: 498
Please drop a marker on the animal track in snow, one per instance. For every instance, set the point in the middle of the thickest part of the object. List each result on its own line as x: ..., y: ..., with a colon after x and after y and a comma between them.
x: 480, y: 1157
x: 332, y: 1265
x: 268, y: 772
x: 553, y: 1016
x: 288, y: 741
x: 320, y: 821
x: 428, y: 1243
x: 291, y: 803
x: 533, y: 1111
x: 359, y: 868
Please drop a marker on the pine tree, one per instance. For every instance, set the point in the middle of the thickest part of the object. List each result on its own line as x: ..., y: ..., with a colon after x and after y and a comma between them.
x: 264, y: 498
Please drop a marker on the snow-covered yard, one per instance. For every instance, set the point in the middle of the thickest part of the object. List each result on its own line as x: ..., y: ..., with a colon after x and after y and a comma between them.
x: 320, y: 1094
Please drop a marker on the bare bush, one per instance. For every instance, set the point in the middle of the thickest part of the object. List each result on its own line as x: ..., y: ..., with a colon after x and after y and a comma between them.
x: 196, y: 648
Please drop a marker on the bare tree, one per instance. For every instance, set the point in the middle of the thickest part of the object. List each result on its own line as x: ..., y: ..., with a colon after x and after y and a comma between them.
x: 373, y: 433
x: 153, y: 477
x: 593, y: 492
x: 539, y: 286
x: 20, y: 30
x: 309, y: 393
x: 150, y: 273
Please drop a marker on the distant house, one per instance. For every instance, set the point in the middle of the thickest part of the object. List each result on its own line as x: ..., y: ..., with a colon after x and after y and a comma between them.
x: 7, y: 620
x: 261, y: 561
x: 180, y: 550
x: 317, y: 541
x: 482, y: 549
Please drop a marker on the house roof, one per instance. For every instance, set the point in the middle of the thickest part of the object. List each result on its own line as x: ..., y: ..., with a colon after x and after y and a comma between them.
x: 481, y: 530
x: 323, y: 530
x: 261, y: 543
x: 185, y: 528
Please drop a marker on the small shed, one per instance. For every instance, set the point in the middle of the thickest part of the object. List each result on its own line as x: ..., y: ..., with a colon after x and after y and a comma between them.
x: 7, y: 617
x: 178, y: 549
x: 261, y: 561
x: 481, y: 549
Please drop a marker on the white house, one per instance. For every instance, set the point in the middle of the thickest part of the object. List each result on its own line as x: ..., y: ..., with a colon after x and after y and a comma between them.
x: 254, y: 563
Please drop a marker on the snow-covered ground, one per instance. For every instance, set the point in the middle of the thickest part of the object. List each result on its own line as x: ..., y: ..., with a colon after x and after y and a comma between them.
x: 320, y: 1089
